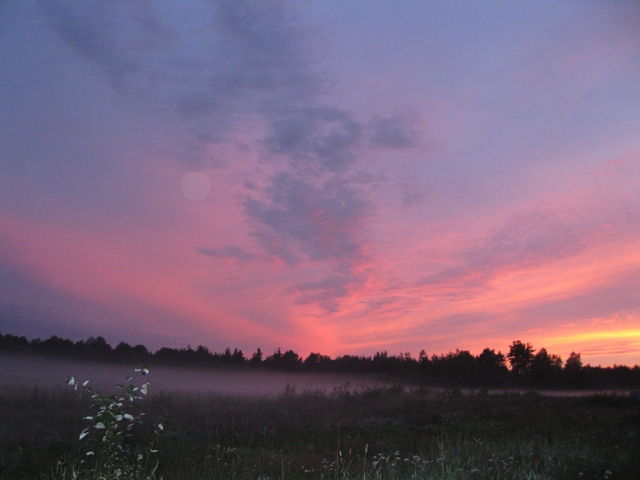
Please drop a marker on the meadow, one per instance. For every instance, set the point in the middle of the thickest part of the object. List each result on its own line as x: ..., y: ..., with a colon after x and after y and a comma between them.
x: 341, y: 432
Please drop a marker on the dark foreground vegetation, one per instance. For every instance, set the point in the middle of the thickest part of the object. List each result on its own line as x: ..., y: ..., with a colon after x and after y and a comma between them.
x: 370, y: 433
x: 522, y: 366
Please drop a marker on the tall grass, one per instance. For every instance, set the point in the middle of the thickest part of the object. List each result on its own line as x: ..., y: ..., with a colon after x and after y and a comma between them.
x: 348, y: 433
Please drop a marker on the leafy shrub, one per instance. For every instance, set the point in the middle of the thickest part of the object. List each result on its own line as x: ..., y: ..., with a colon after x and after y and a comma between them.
x: 110, y: 454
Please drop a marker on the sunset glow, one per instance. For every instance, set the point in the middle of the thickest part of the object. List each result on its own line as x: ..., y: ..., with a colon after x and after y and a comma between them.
x: 332, y: 177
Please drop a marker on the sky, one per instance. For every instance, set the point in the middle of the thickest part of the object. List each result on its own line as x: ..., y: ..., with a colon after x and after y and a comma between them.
x: 341, y: 177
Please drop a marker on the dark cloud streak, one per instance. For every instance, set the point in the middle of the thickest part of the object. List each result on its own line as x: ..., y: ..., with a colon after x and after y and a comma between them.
x: 228, y: 251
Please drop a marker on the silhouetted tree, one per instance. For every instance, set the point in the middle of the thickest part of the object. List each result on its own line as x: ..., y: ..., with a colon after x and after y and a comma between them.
x: 454, y: 368
x: 520, y: 357
x: 124, y: 352
x: 317, y: 362
x: 408, y: 364
x: 274, y: 360
x: 463, y: 364
x: 256, y: 358
x: 545, y: 369
x: 425, y: 364
x: 489, y: 360
x: 353, y: 363
x: 291, y: 360
x: 55, y: 346
x: 166, y: 355
x: 383, y: 362
x: 97, y: 349
x: 13, y: 343
x: 573, y: 363
x: 237, y: 357
x: 492, y: 366
x: 573, y: 373
x: 202, y: 355
x: 187, y: 356
x: 141, y: 351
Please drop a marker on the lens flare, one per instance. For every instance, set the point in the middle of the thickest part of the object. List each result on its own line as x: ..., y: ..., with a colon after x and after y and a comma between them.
x: 195, y: 186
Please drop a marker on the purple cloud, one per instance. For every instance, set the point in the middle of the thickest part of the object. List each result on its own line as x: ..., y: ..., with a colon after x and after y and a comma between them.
x: 227, y: 251
x: 393, y: 131
x: 326, y: 293
x: 324, y: 136
x: 208, y: 65
x: 322, y: 222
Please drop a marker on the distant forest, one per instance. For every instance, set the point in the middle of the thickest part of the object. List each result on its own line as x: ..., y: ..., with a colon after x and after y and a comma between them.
x: 522, y: 366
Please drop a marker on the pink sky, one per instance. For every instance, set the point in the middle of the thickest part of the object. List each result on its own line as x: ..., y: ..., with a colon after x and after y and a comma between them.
x: 335, y: 177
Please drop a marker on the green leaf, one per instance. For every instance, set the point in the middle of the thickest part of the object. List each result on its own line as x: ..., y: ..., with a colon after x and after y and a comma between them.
x: 83, y: 434
x: 99, y: 426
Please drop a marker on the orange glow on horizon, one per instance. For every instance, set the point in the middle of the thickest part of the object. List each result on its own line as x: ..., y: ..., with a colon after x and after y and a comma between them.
x: 106, y: 269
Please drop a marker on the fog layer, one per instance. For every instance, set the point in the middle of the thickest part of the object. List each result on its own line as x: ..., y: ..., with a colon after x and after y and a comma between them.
x: 23, y: 373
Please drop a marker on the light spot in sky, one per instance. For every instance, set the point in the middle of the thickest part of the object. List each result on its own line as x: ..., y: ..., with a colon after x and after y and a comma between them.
x: 195, y: 186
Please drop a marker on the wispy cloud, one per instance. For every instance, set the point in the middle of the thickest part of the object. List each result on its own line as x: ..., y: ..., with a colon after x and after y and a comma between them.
x: 327, y: 293
x: 535, y: 238
x: 323, y: 136
x: 207, y: 64
x: 397, y: 131
x: 227, y: 251
x: 321, y: 222
x: 612, y: 348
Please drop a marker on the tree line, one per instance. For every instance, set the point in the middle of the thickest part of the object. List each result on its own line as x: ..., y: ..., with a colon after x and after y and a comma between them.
x: 522, y: 366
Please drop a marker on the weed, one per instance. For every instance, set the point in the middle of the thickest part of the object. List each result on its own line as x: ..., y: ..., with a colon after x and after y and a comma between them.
x: 110, y: 453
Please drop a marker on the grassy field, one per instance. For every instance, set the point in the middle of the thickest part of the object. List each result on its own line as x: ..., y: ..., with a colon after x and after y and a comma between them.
x: 346, y: 433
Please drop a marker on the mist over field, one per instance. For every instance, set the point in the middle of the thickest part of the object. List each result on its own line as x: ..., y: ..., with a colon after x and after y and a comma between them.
x: 24, y: 373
